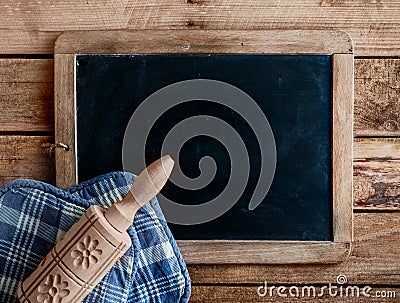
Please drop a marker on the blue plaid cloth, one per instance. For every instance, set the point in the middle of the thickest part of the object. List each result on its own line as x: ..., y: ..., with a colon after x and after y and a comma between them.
x: 34, y: 215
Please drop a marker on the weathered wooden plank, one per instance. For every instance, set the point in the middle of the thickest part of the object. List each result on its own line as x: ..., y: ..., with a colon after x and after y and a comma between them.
x: 27, y: 41
x: 26, y: 107
x: 294, y: 293
x: 376, y: 173
x: 374, y: 25
x: 375, y: 259
x: 26, y: 70
x: 377, y: 95
x: 24, y: 157
x: 62, y: 15
x: 376, y: 110
x: 26, y: 95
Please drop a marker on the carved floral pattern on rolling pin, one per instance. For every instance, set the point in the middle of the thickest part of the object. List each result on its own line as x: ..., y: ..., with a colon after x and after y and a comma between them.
x: 86, y: 253
x: 53, y: 290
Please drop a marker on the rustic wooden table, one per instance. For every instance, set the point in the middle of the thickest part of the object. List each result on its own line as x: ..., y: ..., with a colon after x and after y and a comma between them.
x: 28, y: 30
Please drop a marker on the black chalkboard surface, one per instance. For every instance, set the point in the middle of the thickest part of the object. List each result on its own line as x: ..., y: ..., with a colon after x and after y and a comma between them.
x: 294, y: 93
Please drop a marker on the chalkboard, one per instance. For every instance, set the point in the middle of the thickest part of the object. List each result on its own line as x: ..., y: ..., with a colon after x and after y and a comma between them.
x: 294, y: 93
x: 298, y: 94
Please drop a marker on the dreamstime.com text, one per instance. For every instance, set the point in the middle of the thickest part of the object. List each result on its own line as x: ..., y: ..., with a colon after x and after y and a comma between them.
x: 339, y: 289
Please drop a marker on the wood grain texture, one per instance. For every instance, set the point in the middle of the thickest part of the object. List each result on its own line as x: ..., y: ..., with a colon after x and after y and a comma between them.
x: 246, y: 293
x: 27, y: 41
x: 342, y: 146
x: 26, y: 71
x: 263, y: 252
x: 377, y: 174
x: 374, y: 25
x: 62, y: 15
x: 65, y: 130
x: 200, y: 41
x: 24, y: 157
x: 375, y: 259
x: 26, y: 95
x: 377, y: 95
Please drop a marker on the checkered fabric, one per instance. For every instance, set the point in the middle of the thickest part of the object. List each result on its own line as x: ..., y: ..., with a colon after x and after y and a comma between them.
x: 34, y: 215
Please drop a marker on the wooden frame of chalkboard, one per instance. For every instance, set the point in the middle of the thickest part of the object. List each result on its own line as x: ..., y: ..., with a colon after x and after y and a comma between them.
x: 336, y: 43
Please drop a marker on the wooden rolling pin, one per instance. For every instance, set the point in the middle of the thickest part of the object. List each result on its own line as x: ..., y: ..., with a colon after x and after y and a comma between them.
x: 93, y: 245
